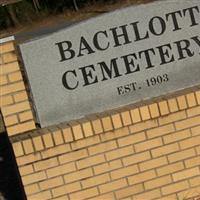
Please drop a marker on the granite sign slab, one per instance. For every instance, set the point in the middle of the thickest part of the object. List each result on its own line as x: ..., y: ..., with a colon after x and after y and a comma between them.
x: 114, y: 60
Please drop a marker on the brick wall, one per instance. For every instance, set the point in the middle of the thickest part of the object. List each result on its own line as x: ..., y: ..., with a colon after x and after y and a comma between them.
x: 144, y: 152
x: 150, y: 152
x: 14, y: 103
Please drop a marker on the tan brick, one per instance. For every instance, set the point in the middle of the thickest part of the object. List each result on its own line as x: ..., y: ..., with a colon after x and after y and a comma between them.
x: 148, y: 195
x: 25, y: 170
x: 127, y: 198
x: 163, y: 107
x: 177, y: 136
x: 107, y: 123
x: 186, y: 174
x: 176, y: 187
x: 197, y: 93
x: 11, y: 120
x: 15, y: 108
x: 158, y: 182
x: 41, y: 196
x: 114, y: 134
x: 64, y: 197
x: 119, y: 153
x: 132, y: 139
x: 60, y: 170
x: 6, y: 100
x: 170, y: 169
x: 56, y: 151
x: 190, y: 142
x: 90, y: 161
x: 33, y: 178
x: 192, y: 162
x: 150, y: 144
x: 154, y: 163
x: 32, y: 189
x: 143, y: 126
x: 84, y: 194
x: 109, y: 166
x: 125, y: 171
x: 78, y: 175
x: 141, y: 177
x: 135, y: 115
x: 7, y: 47
x: 145, y: 114
x: 181, y: 155
x: 15, y: 76
x: 9, y: 68
x: 196, y: 130
x: 20, y: 96
x: 189, y: 193
x: 77, y: 131
x: 57, y: 137
x: 11, y: 88
x: 28, y: 159
x: 51, y: 183
x: 154, y: 111
x: 126, y: 118
x: 187, y: 123
x: 195, y: 181
x: 198, y: 150
x: 164, y: 150
x: 48, y: 141
x: 103, y: 147
x: 66, y: 189
x: 96, y: 180
x: 3, y: 80
x: 20, y: 128
x: 129, y: 191
x: 191, y: 100
x: 109, y: 196
x: 45, y: 164
x: 97, y: 126
x: 172, y: 117
x: 182, y: 104
x: 160, y: 131
x: 25, y: 116
x: 37, y: 142
x: 85, y: 142
x: 9, y: 57
x: 1, y: 60
x: 28, y: 146
x: 136, y: 158
x: 173, y: 105
x: 193, y: 111
x: 116, y: 120
x: 87, y: 129
x: 73, y: 156
x: 18, y: 149
x: 168, y: 197
x: 111, y: 186
x: 67, y: 133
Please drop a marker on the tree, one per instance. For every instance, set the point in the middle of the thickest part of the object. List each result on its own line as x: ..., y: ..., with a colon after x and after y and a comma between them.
x: 75, y: 5
x: 12, y: 14
x: 2, y: 197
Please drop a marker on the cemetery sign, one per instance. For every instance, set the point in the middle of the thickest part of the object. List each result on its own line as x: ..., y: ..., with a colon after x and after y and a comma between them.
x: 114, y: 60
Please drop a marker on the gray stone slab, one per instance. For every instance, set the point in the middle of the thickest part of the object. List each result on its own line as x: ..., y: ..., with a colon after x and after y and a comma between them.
x: 84, y: 69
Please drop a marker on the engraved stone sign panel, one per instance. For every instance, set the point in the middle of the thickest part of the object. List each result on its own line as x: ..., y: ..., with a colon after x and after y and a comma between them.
x: 114, y: 60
